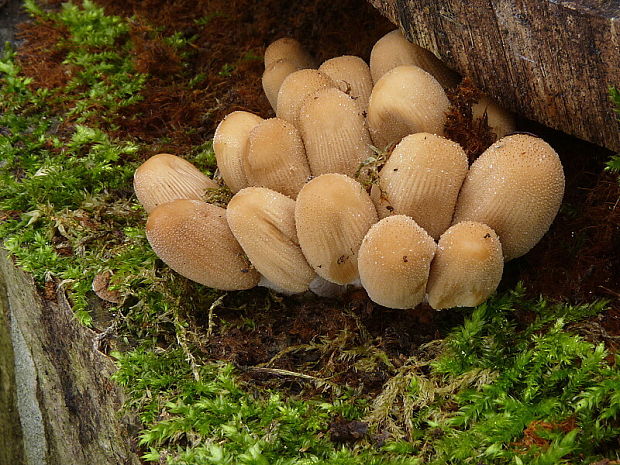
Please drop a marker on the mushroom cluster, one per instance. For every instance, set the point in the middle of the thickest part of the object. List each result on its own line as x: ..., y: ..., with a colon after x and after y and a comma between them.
x: 309, y: 212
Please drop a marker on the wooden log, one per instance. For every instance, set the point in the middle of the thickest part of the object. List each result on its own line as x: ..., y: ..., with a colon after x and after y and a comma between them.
x: 57, y: 402
x: 549, y: 60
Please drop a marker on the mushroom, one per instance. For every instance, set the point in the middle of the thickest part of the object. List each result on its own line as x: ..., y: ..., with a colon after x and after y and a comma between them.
x: 289, y: 49
x: 467, y: 267
x: 165, y: 177
x: 295, y: 88
x: 394, y: 50
x: 500, y: 120
x: 263, y: 221
x: 394, y: 262
x: 515, y: 187
x: 230, y: 143
x: 332, y: 214
x: 193, y: 238
x: 352, y: 76
x: 404, y: 101
x: 274, y: 76
x: 334, y: 132
x: 422, y: 179
x: 276, y: 158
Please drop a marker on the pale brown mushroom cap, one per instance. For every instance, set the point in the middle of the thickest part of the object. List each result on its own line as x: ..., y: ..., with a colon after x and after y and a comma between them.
x: 230, y: 143
x: 263, y: 221
x: 274, y: 76
x: 334, y: 133
x: 165, y: 177
x: 500, y: 120
x: 193, y: 238
x: 422, y: 179
x: 276, y: 157
x: 516, y: 187
x: 467, y: 267
x: 352, y: 76
x: 332, y: 214
x: 295, y: 88
x: 406, y: 100
x: 289, y: 49
x: 394, y: 50
x: 394, y: 262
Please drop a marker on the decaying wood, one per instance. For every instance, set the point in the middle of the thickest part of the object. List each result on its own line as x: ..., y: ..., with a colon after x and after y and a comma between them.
x: 57, y: 402
x: 549, y: 60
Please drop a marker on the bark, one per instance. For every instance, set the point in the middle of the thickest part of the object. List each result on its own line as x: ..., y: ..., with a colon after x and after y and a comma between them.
x: 549, y: 60
x: 57, y: 403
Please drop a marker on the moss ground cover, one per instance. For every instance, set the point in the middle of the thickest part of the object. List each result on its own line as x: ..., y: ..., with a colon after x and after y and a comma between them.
x: 251, y: 377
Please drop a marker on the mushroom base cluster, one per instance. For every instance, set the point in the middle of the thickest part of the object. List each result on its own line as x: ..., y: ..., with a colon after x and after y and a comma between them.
x: 306, y: 214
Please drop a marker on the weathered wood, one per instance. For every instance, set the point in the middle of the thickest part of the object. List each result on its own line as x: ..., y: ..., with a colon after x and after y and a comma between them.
x: 57, y: 402
x: 549, y: 60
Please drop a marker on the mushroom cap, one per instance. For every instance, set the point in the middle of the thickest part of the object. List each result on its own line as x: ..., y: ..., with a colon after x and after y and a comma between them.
x: 394, y: 50
x: 289, y: 49
x: 274, y: 76
x: 352, y: 76
x: 515, y: 187
x: 230, y: 143
x: 334, y: 132
x: 467, y: 267
x: 422, y: 179
x: 276, y: 158
x: 404, y: 101
x: 193, y: 238
x: 165, y: 177
x: 500, y: 120
x: 263, y: 221
x: 394, y: 262
x: 332, y: 214
x: 295, y: 88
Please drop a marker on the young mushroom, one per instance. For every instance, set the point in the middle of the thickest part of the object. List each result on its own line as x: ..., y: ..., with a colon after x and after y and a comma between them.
x: 516, y: 187
x: 289, y: 49
x: 352, y: 76
x: 274, y: 76
x: 394, y: 262
x: 404, y: 101
x: 165, y: 177
x: 332, y: 215
x: 295, y: 88
x: 263, y: 221
x: 422, y: 179
x: 193, y: 238
x: 467, y: 267
x: 500, y: 120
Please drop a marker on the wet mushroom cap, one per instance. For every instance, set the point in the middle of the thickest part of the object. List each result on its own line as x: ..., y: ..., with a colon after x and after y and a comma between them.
x: 394, y: 262
x: 274, y: 76
x: 165, y: 177
x: 467, y: 267
x: 289, y: 49
x: 193, y: 238
x: 334, y: 133
x: 515, y: 187
x: 263, y: 221
x: 500, y: 120
x: 230, y: 143
x: 404, y: 101
x: 394, y: 50
x: 295, y: 88
x: 332, y: 215
x: 422, y: 179
x: 352, y: 76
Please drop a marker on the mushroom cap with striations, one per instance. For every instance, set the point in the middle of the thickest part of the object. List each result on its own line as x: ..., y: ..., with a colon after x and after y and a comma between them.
x: 295, y: 88
x: 394, y: 262
x: 500, y: 120
x: 276, y: 158
x: 193, y: 238
x: 467, y: 267
x: 165, y: 177
x: 230, y: 143
x: 352, y: 75
x: 422, y: 179
x: 274, y: 76
x: 334, y: 133
x: 263, y: 221
x: 394, y: 50
x: 332, y: 214
x: 289, y: 49
x: 516, y: 187
x: 406, y: 100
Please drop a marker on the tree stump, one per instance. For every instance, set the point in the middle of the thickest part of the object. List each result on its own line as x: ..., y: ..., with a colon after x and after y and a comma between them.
x: 549, y: 60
